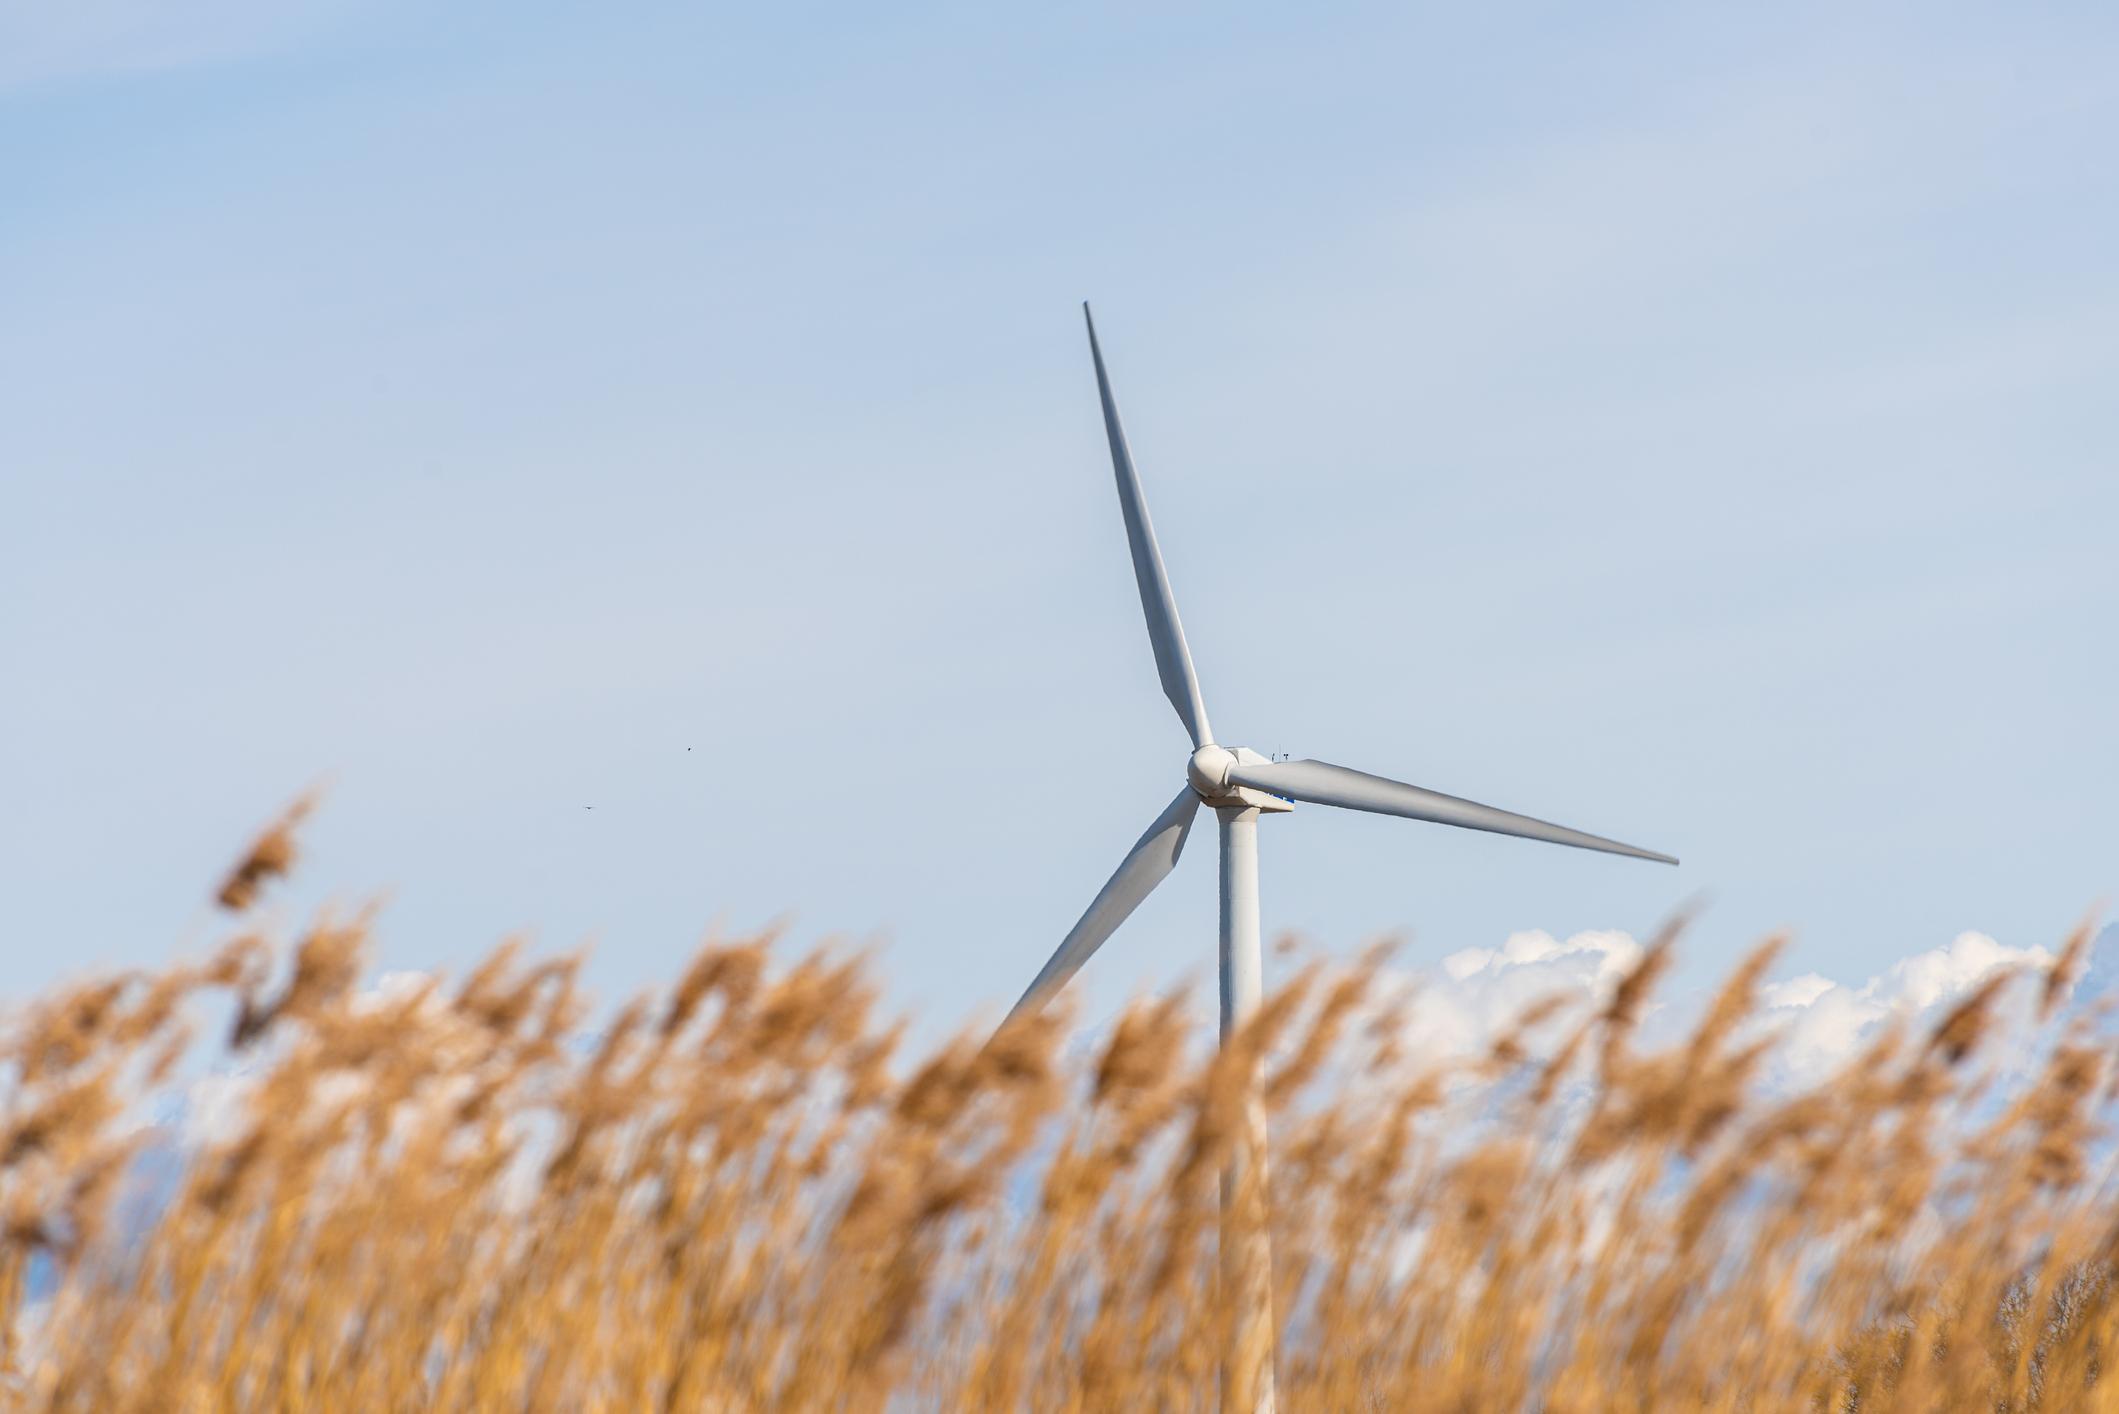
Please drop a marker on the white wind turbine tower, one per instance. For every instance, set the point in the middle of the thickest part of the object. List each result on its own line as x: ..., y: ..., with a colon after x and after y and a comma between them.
x: 1241, y: 785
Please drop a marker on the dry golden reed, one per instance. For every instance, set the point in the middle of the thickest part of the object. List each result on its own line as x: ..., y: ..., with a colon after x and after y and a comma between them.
x: 737, y: 1193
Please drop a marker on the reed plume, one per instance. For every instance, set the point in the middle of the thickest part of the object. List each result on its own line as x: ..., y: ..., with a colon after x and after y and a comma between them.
x: 739, y: 1192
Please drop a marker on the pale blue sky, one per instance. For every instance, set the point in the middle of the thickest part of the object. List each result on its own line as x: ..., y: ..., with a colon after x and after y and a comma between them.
x: 1693, y: 428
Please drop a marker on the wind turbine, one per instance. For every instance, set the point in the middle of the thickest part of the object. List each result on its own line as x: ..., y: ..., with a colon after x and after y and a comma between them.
x: 1240, y: 785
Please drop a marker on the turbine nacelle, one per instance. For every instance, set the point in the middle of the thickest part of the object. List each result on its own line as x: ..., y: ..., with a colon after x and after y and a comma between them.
x: 1209, y: 771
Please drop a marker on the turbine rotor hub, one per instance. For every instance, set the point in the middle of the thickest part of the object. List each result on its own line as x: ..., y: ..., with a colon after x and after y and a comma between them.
x: 1209, y: 769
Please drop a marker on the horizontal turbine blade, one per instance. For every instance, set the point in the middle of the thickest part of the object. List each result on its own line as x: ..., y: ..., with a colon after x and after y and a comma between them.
x: 1322, y: 783
x: 1147, y: 864
x: 1173, y: 660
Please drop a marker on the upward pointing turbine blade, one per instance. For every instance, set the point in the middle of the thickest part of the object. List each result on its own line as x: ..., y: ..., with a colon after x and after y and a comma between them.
x: 1147, y: 864
x: 1173, y: 661
x: 1322, y: 783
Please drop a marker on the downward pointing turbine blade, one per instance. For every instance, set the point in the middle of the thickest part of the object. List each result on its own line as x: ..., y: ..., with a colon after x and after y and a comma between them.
x: 1322, y: 783
x: 1173, y: 661
x: 1147, y: 864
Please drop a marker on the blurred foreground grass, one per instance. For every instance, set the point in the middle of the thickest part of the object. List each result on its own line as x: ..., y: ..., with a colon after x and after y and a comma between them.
x: 737, y: 1193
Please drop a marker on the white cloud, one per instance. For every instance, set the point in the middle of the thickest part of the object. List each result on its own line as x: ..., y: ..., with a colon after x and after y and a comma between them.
x: 1482, y: 991
x: 1796, y: 991
x: 1476, y: 996
x: 1825, y: 1023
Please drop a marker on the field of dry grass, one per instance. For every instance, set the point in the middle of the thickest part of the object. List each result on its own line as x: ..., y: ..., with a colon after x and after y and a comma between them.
x: 740, y: 1193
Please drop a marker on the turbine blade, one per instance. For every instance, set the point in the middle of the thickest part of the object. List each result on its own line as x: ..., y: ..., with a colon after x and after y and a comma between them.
x: 1173, y: 661
x: 1322, y: 783
x: 1147, y: 864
